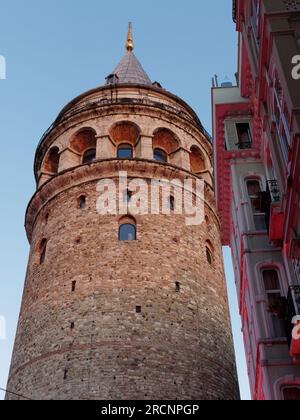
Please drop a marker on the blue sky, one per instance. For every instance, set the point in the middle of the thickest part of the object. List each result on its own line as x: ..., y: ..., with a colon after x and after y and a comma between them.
x: 58, y: 49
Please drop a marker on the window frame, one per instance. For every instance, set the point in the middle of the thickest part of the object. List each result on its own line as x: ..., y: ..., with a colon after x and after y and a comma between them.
x: 162, y: 153
x: 125, y: 146
x: 127, y: 224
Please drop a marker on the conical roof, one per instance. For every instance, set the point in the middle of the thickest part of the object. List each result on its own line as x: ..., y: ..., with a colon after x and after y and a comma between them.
x: 129, y: 70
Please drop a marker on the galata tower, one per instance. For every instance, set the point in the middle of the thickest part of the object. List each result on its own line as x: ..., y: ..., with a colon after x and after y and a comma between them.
x: 116, y: 306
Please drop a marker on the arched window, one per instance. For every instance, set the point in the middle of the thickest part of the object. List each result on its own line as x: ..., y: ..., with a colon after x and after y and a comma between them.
x: 197, y: 161
x: 51, y: 163
x: 82, y: 202
x: 89, y: 156
x: 258, y: 203
x: 291, y: 393
x: 127, y: 230
x: 43, y: 251
x: 276, y: 302
x: 160, y: 156
x: 125, y: 151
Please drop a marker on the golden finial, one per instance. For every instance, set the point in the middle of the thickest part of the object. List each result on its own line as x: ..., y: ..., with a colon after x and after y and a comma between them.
x: 129, y: 43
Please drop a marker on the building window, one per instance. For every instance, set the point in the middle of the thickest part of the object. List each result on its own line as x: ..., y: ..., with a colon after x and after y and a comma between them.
x: 258, y: 204
x: 89, y: 156
x: 244, y: 136
x: 82, y: 202
x: 125, y: 151
x: 43, y: 251
x: 291, y: 393
x: 275, y: 301
x: 282, y: 117
x: 51, y: 163
x: 171, y: 203
x: 255, y: 19
x: 127, y: 232
x: 160, y: 156
x: 209, y: 253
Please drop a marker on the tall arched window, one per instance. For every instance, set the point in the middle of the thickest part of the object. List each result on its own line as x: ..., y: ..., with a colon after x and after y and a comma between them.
x: 276, y: 302
x: 127, y: 230
x: 89, y: 156
x: 43, y: 251
x: 125, y: 151
x: 291, y: 393
x: 258, y: 204
x: 160, y: 156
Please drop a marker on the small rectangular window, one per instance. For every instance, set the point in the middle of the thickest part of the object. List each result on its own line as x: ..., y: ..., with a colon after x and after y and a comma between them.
x: 73, y: 286
x: 138, y: 309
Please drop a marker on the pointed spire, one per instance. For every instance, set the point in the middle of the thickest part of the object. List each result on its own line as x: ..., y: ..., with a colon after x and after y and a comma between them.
x: 129, y: 70
x: 130, y: 43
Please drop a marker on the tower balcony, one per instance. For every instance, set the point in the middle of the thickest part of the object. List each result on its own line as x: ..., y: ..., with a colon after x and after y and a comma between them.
x: 293, y: 319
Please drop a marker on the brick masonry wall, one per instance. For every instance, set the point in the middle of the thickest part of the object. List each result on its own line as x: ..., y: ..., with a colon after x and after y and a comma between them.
x: 180, y: 346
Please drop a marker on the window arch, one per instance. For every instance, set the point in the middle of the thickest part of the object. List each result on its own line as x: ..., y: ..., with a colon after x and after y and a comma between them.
x: 160, y: 156
x: 166, y: 140
x: 127, y: 229
x: 89, y: 156
x: 197, y: 161
x: 51, y: 163
x: 125, y: 132
x: 125, y: 151
x: 43, y: 251
x: 84, y: 143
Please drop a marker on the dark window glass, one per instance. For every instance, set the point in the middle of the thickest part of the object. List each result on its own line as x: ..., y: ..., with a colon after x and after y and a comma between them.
x: 160, y: 156
x: 125, y: 151
x: 291, y: 394
x: 127, y: 232
x: 244, y: 136
x: 82, y: 202
x: 171, y: 203
x: 89, y: 156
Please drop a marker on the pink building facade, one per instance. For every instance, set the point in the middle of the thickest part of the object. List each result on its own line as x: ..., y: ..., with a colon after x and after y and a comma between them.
x: 256, y: 130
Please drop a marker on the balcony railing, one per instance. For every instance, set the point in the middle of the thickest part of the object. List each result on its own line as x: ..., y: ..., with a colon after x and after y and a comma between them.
x: 293, y: 309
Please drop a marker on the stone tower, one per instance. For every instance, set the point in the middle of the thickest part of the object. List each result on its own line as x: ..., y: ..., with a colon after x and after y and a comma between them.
x: 122, y: 307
